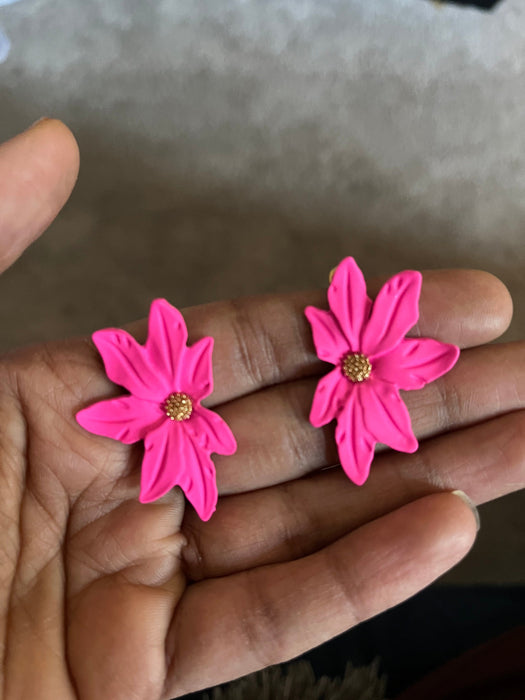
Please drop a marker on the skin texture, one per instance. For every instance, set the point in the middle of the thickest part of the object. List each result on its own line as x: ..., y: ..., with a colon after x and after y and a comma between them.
x: 105, y: 598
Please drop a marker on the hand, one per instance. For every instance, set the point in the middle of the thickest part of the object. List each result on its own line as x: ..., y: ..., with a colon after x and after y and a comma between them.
x: 103, y: 598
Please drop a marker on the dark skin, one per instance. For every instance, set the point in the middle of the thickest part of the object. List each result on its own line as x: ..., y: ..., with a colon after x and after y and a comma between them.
x: 103, y: 598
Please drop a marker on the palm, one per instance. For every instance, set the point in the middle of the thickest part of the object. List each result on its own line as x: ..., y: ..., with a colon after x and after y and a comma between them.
x: 110, y: 598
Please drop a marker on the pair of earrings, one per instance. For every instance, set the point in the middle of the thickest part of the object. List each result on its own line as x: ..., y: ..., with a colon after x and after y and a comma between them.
x: 167, y: 380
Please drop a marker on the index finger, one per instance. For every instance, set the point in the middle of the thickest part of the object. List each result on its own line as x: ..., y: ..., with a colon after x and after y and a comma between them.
x: 266, y: 340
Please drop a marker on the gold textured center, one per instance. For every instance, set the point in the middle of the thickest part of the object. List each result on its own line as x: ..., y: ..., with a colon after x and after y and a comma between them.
x: 178, y: 406
x: 356, y: 367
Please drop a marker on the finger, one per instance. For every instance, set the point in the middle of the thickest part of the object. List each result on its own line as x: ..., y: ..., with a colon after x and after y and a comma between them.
x: 277, y: 443
x: 38, y: 170
x: 297, y: 518
x: 266, y: 340
x: 274, y: 613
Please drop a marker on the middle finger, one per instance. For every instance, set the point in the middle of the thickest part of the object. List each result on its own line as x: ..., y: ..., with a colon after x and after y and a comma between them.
x: 277, y: 443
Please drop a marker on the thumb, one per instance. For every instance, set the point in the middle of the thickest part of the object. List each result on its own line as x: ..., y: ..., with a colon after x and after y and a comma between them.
x: 38, y: 170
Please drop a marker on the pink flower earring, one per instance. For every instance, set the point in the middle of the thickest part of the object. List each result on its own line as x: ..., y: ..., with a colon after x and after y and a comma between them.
x: 373, y: 360
x: 167, y: 381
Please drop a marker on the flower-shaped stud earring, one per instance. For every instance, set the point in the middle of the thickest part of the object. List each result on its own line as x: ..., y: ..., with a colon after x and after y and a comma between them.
x: 167, y: 381
x: 373, y: 360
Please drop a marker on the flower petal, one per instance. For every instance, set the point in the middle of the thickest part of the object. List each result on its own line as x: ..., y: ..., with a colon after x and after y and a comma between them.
x: 172, y: 459
x: 386, y: 416
x: 208, y: 430
x: 127, y: 365
x: 415, y: 362
x: 329, y: 340
x: 355, y: 444
x: 127, y: 418
x: 348, y: 301
x: 394, y: 313
x: 198, y: 480
x: 161, y: 462
x: 330, y: 395
x: 196, y: 375
x: 166, y: 344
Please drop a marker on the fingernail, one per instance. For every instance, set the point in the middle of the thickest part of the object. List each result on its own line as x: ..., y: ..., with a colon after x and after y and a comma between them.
x: 42, y: 119
x: 470, y: 504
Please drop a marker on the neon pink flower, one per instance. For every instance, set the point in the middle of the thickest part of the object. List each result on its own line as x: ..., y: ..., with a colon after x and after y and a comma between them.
x: 167, y: 381
x: 373, y: 360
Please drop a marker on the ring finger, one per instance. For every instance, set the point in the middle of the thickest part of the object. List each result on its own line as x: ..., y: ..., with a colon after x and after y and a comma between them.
x: 292, y: 520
